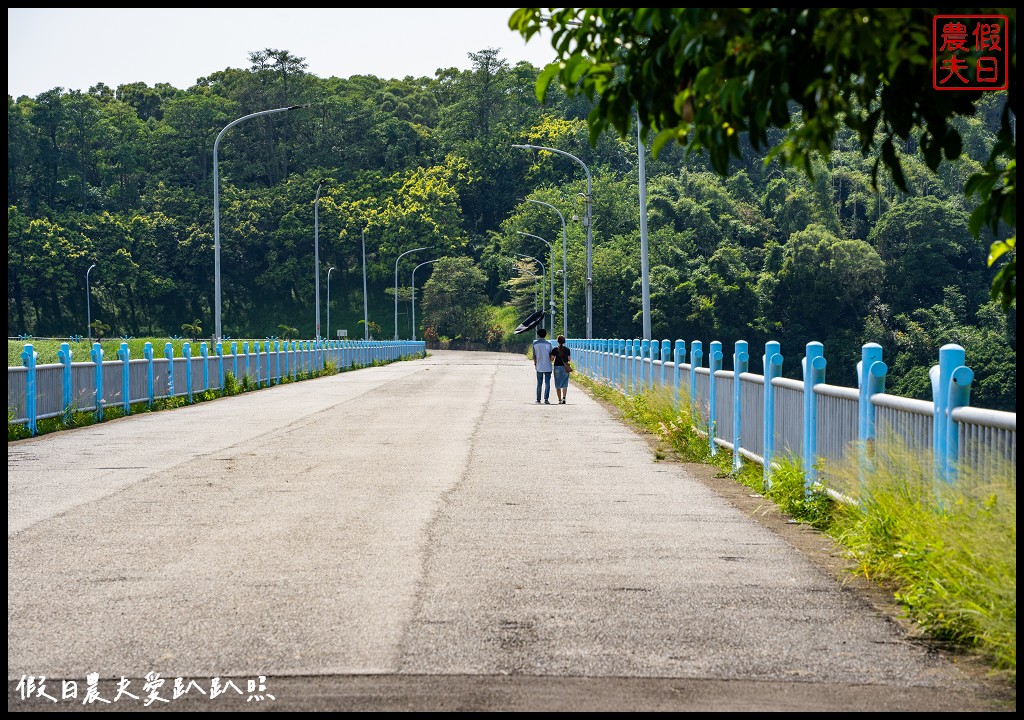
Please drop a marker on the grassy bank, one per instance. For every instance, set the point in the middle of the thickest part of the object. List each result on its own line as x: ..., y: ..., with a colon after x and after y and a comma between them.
x: 947, y: 552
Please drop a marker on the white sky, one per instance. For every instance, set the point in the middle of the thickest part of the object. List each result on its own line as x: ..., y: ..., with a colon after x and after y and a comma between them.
x: 76, y: 48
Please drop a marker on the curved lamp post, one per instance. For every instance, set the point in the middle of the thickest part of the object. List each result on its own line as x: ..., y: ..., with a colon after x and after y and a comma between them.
x: 414, y: 293
x: 396, y: 288
x: 216, y: 213
x: 366, y: 310
x: 551, y: 281
x: 88, y: 304
x: 645, y: 276
x: 329, y: 271
x: 587, y: 222
x: 316, y: 254
x: 565, y: 272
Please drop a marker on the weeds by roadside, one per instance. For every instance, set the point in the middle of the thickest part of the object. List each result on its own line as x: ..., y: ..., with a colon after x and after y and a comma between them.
x: 947, y: 552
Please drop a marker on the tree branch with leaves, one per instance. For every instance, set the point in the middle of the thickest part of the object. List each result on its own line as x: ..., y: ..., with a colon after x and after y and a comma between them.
x: 701, y: 77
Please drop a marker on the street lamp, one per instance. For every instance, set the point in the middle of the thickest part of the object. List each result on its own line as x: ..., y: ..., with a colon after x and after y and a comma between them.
x: 329, y: 270
x: 366, y: 311
x: 216, y: 212
x: 316, y: 254
x: 530, y: 257
x: 565, y: 272
x: 414, y: 293
x: 587, y: 222
x: 645, y: 278
x: 88, y: 304
x: 551, y: 282
x: 396, y: 287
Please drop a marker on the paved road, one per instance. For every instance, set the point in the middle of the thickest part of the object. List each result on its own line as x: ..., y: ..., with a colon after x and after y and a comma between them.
x: 423, y: 536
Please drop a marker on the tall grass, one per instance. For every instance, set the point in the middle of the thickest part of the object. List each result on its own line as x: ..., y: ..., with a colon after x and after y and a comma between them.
x: 948, y: 552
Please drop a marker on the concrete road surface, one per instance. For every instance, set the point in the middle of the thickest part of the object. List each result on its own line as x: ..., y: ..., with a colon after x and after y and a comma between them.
x: 422, y: 536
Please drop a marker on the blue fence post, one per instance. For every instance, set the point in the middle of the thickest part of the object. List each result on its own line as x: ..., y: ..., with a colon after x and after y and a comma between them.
x: 234, y: 358
x: 147, y: 352
x: 186, y: 351
x: 678, y: 358
x: 97, y: 359
x: 714, y: 365
x: 620, y: 364
x: 258, y: 349
x: 220, y: 363
x: 959, y: 395
x: 245, y: 351
x: 627, y: 368
x: 126, y: 393
x: 64, y: 356
x: 169, y: 354
x: 870, y: 381
x: 652, y: 357
x: 870, y: 353
x: 740, y: 364
x: 205, y: 352
x: 813, y: 365
x: 638, y: 366
x: 696, y: 361
x: 772, y: 363
x: 609, y: 360
x: 645, y: 355
x: 610, y: 346
x: 277, y: 361
x: 951, y: 357
x: 602, y: 359
x: 666, y: 353
x: 28, y: 359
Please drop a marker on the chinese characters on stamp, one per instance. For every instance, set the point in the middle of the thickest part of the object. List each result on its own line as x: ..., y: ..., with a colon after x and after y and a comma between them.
x: 970, y: 52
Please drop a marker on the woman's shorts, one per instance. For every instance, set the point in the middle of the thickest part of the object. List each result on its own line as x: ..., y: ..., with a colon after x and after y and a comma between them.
x: 561, y: 378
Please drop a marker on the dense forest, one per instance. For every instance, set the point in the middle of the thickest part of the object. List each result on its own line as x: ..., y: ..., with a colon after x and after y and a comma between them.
x: 123, y: 178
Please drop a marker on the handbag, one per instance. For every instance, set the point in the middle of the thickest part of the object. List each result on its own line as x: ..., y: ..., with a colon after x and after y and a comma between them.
x: 568, y: 365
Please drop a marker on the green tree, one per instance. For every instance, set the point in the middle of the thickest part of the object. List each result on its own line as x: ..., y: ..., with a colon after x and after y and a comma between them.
x: 454, y: 303
x: 703, y: 77
x: 193, y: 329
x: 926, y: 247
x: 823, y: 291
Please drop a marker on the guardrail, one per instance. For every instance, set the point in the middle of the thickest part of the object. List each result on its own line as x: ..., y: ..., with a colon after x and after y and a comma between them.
x: 761, y: 417
x: 36, y: 392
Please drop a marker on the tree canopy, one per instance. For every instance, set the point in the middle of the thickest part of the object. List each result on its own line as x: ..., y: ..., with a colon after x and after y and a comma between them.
x: 705, y: 77
x: 121, y: 178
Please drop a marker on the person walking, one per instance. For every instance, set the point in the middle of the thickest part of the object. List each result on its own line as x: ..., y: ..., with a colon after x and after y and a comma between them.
x: 542, y: 363
x: 560, y: 357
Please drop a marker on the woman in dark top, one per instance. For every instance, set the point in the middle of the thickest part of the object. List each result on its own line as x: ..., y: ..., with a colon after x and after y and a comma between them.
x: 560, y: 357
